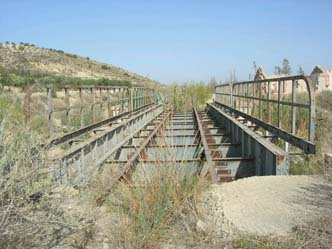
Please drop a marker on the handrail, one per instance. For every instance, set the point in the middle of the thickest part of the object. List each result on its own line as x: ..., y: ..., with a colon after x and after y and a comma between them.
x: 112, y: 100
x: 247, y: 98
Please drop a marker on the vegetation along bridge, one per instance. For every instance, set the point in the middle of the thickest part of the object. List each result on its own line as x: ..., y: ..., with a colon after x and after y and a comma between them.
x: 251, y: 128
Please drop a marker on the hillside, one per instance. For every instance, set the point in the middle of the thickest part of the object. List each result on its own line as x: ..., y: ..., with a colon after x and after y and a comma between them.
x: 28, y: 57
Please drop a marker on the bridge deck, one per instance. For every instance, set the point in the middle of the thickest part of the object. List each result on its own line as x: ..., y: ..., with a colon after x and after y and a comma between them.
x: 149, y: 140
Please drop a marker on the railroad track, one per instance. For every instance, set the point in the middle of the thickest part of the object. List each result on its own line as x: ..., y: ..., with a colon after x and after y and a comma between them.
x: 136, y: 145
x: 220, y: 142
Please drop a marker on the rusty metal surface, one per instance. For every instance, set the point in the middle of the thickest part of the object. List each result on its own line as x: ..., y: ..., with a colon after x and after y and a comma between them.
x: 140, y: 152
x: 207, y: 151
x: 76, y: 164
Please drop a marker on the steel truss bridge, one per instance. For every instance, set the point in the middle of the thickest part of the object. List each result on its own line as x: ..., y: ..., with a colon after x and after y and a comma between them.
x: 251, y: 128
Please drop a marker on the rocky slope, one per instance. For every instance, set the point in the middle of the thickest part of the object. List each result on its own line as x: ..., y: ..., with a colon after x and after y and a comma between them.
x: 29, y: 57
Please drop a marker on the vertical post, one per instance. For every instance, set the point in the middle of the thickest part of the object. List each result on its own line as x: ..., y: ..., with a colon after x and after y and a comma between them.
x: 118, y: 101
x: 279, y: 97
x: 231, y: 94
x: 67, y: 100
x: 312, y: 111
x: 142, y: 97
x: 293, y: 110
x: 134, y: 98
x: 122, y: 99
x: 293, y: 129
x: 131, y: 100
x: 253, y: 100
x: 113, y: 107
x: 93, y: 117
x: 268, y: 105
x: 101, y: 102
x: 145, y: 94
x: 138, y: 97
x: 108, y: 103
x: 260, y: 101
x: 50, y: 111
x: 242, y: 98
x: 81, y: 108
x: 247, y: 93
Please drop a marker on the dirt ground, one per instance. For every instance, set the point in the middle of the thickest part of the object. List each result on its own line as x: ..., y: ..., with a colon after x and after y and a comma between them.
x: 265, y: 205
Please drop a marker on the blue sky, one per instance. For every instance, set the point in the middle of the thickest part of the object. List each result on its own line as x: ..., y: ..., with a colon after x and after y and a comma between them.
x: 178, y: 40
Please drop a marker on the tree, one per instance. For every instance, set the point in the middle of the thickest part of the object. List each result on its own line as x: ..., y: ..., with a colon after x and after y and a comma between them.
x: 300, y: 71
x: 286, y: 68
x: 277, y: 70
x: 254, y: 67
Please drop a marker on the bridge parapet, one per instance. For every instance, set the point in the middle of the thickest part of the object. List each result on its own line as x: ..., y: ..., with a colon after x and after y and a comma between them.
x: 64, y: 108
x: 284, y: 107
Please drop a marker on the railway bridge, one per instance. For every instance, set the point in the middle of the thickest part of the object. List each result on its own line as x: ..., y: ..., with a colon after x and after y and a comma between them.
x: 251, y: 128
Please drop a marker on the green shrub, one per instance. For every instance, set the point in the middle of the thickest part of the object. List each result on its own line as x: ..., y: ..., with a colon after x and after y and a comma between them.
x: 21, y: 78
x: 324, y: 100
x: 104, y: 67
x: 185, y: 97
x: 145, y: 215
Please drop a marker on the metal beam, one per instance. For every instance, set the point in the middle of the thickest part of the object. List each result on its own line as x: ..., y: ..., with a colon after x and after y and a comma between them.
x: 207, y: 151
x: 306, y: 146
x: 69, y: 136
x: 231, y: 96
x: 76, y: 164
x: 135, y: 157
x: 269, y: 159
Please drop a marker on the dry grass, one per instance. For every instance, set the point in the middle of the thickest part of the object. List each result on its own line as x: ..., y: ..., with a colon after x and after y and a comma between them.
x: 148, y: 214
x: 30, y: 216
x: 314, y: 164
x: 162, y: 213
x: 310, y: 236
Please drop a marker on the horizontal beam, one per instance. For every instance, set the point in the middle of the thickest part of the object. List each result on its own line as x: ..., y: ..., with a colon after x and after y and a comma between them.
x: 69, y: 136
x: 269, y: 159
x: 156, y: 161
x: 102, y: 135
x: 306, y: 146
x: 179, y: 145
x: 208, y: 135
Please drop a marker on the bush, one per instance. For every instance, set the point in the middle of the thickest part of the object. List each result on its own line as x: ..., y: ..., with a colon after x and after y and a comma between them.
x: 185, y: 97
x: 146, y: 215
x: 324, y: 100
x: 21, y: 78
x: 29, y: 216
x: 104, y: 67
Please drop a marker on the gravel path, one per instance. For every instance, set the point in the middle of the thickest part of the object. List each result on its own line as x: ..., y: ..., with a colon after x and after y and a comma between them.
x: 265, y: 205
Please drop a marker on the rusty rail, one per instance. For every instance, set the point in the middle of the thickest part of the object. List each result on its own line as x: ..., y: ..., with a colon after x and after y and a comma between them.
x: 207, y: 151
x: 76, y: 163
x: 125, y: 168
